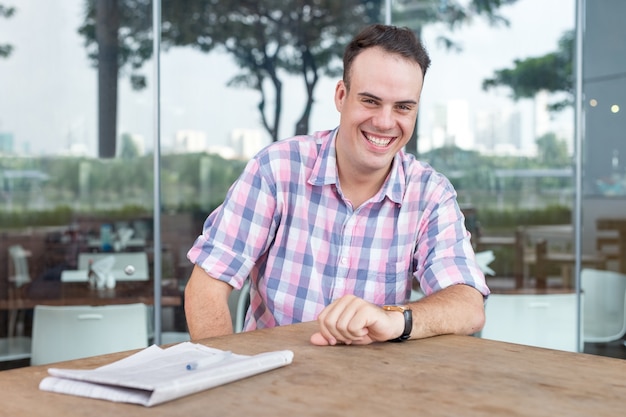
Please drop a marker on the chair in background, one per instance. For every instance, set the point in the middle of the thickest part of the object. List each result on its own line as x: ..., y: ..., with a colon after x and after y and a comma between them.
x: 18, y: 281
x: 19, y: 257
x: 71, y: 332
x: 604, y: 316
x: 542, y: 320
x: 566, y: 261
x: 238, y: 303
x: 14, y: 348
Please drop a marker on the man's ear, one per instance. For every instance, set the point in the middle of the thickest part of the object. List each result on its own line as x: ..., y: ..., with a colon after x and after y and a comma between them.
x: 341, y: 93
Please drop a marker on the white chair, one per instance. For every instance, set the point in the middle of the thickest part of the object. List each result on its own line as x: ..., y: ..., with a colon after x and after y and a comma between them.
x: 70, y: 332
x: 543, y: 320
x: 243, y: 302
x: 19, y: 257
x: 238, y: 303
x: 14, y: 348
x: 17, y: 281
x: 604, y: 317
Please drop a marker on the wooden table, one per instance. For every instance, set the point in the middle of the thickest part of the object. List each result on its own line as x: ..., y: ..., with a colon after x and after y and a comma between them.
x: 79, y: 293
x: 618, y: 224
x: 439, y: 376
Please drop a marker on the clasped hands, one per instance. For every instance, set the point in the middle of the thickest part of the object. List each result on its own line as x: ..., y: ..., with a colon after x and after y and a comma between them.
x: 353, y: 321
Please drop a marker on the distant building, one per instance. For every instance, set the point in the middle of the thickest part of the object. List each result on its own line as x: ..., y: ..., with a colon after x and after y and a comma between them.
x: 247, y: 142
x: 450, y: 126
x: 542, y: 115
x: 7, y: 146
x: 140, y: 143
x: 499, y: 132
x: 226, y: 152
x: 189, y: 141
x: 77, y: 149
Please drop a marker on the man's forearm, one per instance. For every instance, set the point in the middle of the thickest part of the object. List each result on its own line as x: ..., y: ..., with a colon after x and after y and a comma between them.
x: 206, y: 306
x: 458, y: 309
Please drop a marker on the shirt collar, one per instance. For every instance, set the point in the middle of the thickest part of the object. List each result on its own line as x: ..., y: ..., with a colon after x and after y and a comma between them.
x: 325, y: 169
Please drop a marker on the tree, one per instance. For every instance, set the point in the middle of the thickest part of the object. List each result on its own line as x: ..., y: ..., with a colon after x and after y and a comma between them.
x: 268, y: 39
x: 129, y: 149
x: 418, y: 14
x: 117, y: 35
x: 552, y: 152
x: 552, y: 72
x: 6, y: 12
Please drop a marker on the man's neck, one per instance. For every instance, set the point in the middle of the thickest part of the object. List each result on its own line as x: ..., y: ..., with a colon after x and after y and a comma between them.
x: 360, y: 188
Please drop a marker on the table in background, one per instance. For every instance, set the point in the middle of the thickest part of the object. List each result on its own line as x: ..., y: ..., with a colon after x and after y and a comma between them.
x: 618, y: 224
x: 445, y: 375
x: 79, y: 293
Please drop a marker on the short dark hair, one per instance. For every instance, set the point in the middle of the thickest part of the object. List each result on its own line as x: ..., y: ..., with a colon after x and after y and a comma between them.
x: 395, y: 40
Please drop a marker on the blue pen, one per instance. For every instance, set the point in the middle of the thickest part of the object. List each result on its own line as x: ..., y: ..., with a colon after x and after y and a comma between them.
x: 201, y: 363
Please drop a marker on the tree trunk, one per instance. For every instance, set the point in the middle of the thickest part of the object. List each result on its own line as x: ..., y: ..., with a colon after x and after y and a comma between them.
x: 411, y: 146
x: 107, y: 25
x: 310, y: 76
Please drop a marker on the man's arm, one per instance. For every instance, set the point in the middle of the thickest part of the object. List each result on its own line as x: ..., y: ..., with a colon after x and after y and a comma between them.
x: 458, y: 309
x: 206, y: 305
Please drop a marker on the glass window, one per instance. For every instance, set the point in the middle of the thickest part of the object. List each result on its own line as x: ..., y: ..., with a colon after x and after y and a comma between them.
x: 496, y: 117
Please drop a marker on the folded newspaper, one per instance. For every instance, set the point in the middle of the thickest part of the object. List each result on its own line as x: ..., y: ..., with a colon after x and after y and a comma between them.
x: 155, y: 375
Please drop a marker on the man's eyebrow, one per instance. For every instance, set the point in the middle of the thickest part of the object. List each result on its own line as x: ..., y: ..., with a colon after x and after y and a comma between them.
x: 374, y: 97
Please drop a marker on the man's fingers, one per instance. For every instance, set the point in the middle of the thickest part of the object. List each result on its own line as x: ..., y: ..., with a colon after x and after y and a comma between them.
x: 345, y: 321
x: 319, y: 340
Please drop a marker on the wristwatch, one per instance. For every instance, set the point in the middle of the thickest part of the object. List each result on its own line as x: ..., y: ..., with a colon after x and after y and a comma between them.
x: 408, y: 321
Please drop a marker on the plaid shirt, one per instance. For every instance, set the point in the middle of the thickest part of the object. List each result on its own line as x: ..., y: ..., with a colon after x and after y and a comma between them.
x: 286, y: 226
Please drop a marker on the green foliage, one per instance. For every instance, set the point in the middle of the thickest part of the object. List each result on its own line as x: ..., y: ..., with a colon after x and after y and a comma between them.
x: 129, y: 148
x: 90, y: 185
x: 198, y: 182
x: 481, y: 175
x: 507, y: 220
x: 63, y: 216
x: 269, y: 39
x: 552, y: 152
x: 552, y: 72
x: 7, y: 12
x: 452, y: 14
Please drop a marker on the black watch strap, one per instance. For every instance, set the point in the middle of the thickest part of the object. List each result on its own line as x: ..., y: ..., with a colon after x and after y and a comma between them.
x: 408, y: 322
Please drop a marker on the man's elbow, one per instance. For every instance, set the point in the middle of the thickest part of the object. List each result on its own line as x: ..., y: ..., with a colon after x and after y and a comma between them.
x: 476, y: 319
x: 474, y: 313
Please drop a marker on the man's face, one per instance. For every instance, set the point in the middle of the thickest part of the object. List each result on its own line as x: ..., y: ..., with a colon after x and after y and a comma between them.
x: 378, y: 112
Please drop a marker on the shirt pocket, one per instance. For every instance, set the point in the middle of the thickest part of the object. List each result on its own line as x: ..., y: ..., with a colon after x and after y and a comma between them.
x: 390, y: 284
x: 397, y: 272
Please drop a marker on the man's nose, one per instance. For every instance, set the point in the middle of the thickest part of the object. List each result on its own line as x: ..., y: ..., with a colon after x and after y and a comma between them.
x: 384, y: 118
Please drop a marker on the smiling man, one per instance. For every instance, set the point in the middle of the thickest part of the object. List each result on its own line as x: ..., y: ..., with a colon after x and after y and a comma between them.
x: 336, y: 226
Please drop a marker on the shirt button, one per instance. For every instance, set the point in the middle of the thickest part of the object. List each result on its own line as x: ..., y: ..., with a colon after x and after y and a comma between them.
x: 344, y: 261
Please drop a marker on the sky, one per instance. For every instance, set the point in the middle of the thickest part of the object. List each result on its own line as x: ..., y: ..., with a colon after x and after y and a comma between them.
x: 48, y: 88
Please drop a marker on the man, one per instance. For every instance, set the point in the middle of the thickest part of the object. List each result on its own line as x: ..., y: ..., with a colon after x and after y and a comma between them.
x: 335, y: 226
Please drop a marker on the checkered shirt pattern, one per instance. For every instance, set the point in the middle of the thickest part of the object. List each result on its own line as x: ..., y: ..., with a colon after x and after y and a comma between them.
x: 285, y: 225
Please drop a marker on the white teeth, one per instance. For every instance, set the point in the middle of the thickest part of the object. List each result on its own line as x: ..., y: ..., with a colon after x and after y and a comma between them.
x: 378, y: 141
